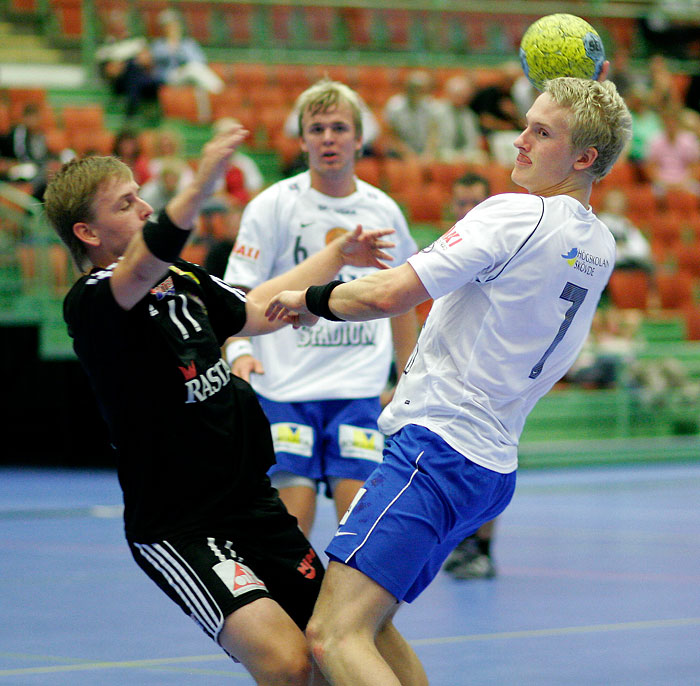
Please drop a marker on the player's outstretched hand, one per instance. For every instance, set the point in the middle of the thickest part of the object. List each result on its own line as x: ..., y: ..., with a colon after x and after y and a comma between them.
x: 361, y: 248
x: 217, y: 153
x: 290, y: 307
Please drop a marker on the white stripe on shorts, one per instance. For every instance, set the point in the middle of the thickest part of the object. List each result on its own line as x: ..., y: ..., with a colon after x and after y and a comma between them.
x: 386, y: 509
x: 186, y: 584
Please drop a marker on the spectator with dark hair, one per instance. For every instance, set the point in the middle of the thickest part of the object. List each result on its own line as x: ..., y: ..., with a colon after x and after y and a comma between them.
x: 127, y: 147
x: 126, y: 64
x: 24, y: 154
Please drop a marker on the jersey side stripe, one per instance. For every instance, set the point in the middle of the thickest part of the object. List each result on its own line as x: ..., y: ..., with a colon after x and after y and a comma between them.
x: 186, y: 584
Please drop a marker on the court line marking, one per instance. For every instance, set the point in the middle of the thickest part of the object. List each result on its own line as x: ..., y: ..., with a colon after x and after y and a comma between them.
x: 561, y: 631
x: 499, y: 636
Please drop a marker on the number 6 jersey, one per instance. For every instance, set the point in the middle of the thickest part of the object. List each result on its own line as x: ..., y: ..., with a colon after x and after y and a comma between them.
x: 516, y: 284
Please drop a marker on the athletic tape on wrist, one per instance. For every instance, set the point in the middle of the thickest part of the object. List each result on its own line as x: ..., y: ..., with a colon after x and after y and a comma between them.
x: 317, y: 298
x: 164, y: 239
x: 238, y: 349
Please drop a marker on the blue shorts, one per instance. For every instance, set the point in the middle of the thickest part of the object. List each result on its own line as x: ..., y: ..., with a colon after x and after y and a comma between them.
x: 414, y: 509
x: 326, y: 439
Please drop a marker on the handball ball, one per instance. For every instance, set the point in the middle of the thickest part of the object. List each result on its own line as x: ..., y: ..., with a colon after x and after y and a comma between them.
x: 561, y: 45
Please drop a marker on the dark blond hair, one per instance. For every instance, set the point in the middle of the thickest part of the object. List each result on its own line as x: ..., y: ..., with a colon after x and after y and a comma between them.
x: 70, y: 195
x: 598, y: 118
x: 326, y: 94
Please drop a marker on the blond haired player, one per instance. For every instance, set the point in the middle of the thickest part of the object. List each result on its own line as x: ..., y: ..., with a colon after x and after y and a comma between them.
x: 515, y: 285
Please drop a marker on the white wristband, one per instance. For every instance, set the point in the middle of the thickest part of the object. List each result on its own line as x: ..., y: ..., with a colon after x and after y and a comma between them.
x: 237, y: 349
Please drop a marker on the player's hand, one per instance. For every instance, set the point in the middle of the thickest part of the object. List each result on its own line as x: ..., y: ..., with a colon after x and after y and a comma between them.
x: 361, y: 248
x: 290, y: 307
x: 604, y: 71
x: 245, y: 365
x: 216, y: 154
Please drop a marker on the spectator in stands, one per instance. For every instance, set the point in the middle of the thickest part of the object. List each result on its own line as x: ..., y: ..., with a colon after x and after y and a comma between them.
x: 456, y: 126
x: 126, y: 64
x: 220, y: 220
x: 612, y: 345
x: 243, y: 179
x: 674, y: 156
x: 646, y: 124
x: 409, y: 116
x: 163, y: 187
x: 179, y: 60
x: 467, y: 192
x: 24, y: 155
x: 632, y: 248
x: 168, y: 145
x: 499, y: 117
x: 127, y: 147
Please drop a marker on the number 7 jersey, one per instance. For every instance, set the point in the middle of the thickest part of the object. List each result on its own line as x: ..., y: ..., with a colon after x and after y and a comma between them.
x: 515, y: 284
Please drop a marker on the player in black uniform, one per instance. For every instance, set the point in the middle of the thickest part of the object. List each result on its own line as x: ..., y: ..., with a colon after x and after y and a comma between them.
x: 192, y: 443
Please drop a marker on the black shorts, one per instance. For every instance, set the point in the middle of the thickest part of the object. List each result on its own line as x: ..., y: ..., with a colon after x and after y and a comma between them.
x: 214, y: 573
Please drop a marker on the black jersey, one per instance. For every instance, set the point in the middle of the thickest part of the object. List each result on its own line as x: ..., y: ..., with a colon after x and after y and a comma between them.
x: 192, y: 441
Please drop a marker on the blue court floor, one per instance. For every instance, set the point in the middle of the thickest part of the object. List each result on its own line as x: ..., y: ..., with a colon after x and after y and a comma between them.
x: 598, y: 585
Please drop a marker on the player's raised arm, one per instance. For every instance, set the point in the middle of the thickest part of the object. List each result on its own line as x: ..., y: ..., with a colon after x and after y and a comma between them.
x: 160, y: 243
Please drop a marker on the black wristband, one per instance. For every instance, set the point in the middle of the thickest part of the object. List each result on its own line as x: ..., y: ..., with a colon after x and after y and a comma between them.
x: 317, y: 298
x: 164, y: 239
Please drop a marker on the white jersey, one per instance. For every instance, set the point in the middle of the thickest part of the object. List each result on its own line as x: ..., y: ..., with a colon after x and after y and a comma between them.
x: 515, y: 286
x: 282, y: 226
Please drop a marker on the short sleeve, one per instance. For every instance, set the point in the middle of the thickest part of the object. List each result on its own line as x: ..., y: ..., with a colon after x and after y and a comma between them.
x: 479, y: 246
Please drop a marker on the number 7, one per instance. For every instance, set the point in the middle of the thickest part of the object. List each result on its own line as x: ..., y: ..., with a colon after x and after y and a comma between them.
x: 575, y: 295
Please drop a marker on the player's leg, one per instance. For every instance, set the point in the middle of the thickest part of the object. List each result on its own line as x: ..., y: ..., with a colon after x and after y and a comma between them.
x: 295, y: 436
x: 402, y: 659
x: 353, y: 447
x: 298, y: 498
x: 268, y: 644
x: 350, y: 610
x: 344, y: 490
x: 213, y: 585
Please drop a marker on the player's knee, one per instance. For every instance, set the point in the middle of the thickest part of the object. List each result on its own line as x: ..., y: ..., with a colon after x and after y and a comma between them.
x: 323, y: 637
x: 292, y: 669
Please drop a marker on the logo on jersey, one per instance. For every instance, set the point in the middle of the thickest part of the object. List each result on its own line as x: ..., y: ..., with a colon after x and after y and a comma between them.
x: 246, y: 252
x: 356, y: 442
x: 164, y: 288
x: 306, y: 566
x: 205, y: 385
x: 585, y: 262
x: 334, y: 233
x: 337, y: 335
x: 571, y: 256
x: 451, y: 238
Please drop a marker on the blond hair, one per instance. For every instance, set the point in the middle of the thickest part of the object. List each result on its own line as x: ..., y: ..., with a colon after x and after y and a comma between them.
x: 70, y: 195
x: 598, y: 118
x: 326, y: 94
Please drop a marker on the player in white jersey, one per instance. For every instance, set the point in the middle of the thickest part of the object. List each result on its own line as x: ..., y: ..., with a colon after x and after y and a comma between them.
x: 320, y: 386
x: 515, y: 285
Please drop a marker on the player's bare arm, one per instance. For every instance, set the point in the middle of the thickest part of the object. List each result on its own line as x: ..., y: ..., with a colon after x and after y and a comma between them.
x: 359, y: 249
x: 378, y: 295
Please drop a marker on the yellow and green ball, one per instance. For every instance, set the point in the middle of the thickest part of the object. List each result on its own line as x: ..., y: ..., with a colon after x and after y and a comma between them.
x: 561, y: 45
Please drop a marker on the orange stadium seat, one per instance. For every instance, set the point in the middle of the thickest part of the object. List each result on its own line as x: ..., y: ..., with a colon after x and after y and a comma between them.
x: 83, y: 117
x: 630, y: 289
x: 426, y: 203
x: 675, y: 290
